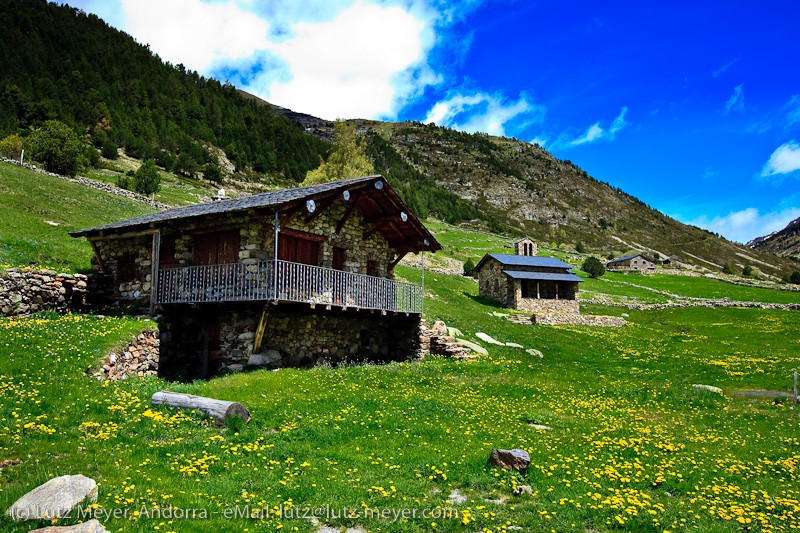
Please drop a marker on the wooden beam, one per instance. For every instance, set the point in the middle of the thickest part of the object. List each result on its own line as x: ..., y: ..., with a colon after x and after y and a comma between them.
x: 399, y: 258
x: 354, y: 198
x: 100, y: 262
x: 375, y: 228
x: 262, y: 326
x: 213, y: 229
x: 154, y: 270
x: 127, y: 235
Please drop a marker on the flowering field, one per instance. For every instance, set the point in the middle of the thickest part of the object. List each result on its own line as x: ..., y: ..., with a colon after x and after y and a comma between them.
x: 633, y: 447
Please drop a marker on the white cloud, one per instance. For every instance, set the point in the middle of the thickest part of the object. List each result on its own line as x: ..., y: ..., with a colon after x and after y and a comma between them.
x: 537, y: 140
x: 724, y: 67
x: 784, y: 160
x: 792, y: 108
x: 484, y: 112
x: 619, y: 122
x: 364, y: 63
x: 736, y: 101
x: 593, y: 133
x: 195, y: 33
x: 747, y: 224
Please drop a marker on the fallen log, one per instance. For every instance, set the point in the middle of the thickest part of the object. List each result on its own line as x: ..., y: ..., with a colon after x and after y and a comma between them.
x: 218, y: 410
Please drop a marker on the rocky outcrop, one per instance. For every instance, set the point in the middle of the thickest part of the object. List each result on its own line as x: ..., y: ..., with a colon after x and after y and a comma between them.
x: 435, y: 340
x: 54, y: 499
x: 139, y: 358
x: 24, y: 291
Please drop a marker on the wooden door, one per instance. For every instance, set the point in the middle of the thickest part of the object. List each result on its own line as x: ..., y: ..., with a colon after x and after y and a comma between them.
x: 298, y: 250
x: 217, y: 248
x: 338, y: 258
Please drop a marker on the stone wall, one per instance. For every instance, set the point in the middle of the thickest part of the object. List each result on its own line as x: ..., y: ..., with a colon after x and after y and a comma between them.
x: 24, y: 291
x: 570, y: 307
x: 493, y: 284
x: 576, y: 320
x: 139, y: 358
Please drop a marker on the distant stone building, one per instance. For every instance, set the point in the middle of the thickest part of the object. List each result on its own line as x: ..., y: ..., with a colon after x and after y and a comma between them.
x: 632, y: 262
x: 526, y: 246
x: 529, y: 283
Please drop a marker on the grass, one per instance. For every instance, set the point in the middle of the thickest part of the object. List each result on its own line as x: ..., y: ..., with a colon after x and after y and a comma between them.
x: 30, y: 203
x: 633, y: 447
x: 175, y: 190
x: 700, y: 287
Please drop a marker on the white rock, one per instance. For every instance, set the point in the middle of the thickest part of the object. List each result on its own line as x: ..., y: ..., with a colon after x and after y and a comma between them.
x: 486, y: 338
x: 456, y: 498
x: 707, y: 387
x: 265, y: 358
x: 534, y: 351
x: 92, y: 526
x: 474, y: 346
x: 514, y: 345
x: 54, y: 499
x: 539, y: 426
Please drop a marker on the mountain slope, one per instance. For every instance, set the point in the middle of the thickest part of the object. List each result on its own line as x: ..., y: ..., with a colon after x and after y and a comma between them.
x: 785, y: 243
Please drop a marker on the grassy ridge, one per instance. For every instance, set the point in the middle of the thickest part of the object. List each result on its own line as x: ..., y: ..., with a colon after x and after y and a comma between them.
x: 29, y: 200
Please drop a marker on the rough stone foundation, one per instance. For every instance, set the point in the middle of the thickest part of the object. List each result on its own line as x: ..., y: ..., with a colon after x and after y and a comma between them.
x: 203, y: 340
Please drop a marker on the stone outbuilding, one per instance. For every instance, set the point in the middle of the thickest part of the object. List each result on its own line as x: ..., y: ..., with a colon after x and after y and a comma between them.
x: 282, y: 278
x: 632, y: 262
x: 529, y: 283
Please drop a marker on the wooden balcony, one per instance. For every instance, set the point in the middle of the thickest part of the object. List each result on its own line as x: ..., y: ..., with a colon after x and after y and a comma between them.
x: 284, y: 281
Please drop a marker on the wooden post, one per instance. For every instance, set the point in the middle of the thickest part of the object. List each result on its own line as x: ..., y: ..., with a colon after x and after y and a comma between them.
x: 795, y: 387
x: 154, y: 270
x: 99, y: 259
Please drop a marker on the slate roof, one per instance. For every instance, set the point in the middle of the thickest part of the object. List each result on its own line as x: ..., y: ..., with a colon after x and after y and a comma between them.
x: 542, y: 276
x: 625, y: 258
x: 524, y: 260
x: 265, y: 199
x: 277, y: 199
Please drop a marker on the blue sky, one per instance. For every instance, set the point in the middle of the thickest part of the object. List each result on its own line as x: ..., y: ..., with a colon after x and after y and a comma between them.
x: 694, y: 107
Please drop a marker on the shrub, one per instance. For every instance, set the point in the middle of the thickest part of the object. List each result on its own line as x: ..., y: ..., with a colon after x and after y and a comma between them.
x: 213, y: 173
x: 110, y: 150
x: 58, y: 148
x: 147, y: 179
x: 11, y: 147
x: 580, y: 248
x: 92, y: 156
x: 125, y: 182
x: 795, y: 277
x: 727, y: 268
x: 593, y: 267
x: 469, y: 268
x: 747, y: 270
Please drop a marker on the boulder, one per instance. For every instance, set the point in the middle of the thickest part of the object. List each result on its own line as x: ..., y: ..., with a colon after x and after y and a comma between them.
x: 439, y: 328
x: 454, y: 332
x: 707, y: 387
x: 92, y: 526
x: 534, y: 351
x: 54, y: 499
x: 267, y: 358
x: 486, y: 338
x: 474, y: 346
x: 516, y: 459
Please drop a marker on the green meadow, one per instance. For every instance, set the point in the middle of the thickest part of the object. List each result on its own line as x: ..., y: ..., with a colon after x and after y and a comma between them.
x: 633, y: 446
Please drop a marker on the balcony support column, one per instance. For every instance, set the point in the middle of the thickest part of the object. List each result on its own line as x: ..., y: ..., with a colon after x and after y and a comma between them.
x: 154, y: 270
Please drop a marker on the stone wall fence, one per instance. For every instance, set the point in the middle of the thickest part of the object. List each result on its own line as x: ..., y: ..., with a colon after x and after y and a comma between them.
x: 24, y: 291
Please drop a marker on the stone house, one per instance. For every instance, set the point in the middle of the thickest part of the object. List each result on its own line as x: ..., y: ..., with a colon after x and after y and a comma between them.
x: 282, y: 278
x: 529, y: 283
x: 632, y: 262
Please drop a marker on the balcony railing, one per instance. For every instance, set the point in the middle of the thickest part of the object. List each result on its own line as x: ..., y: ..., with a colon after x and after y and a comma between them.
x: 288, y: 282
